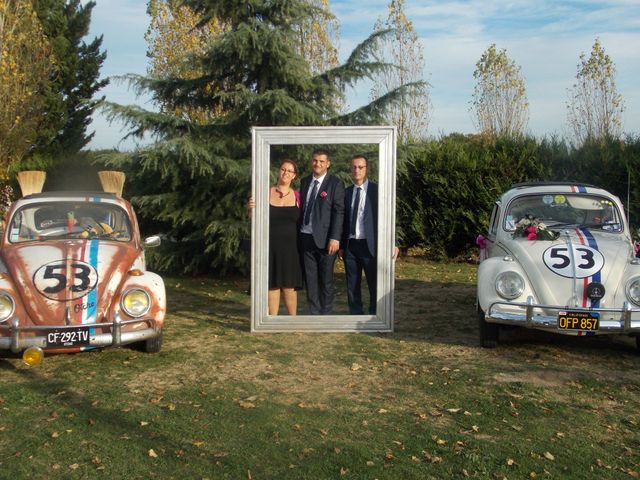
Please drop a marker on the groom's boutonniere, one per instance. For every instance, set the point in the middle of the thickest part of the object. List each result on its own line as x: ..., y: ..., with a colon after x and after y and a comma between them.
x: 323, y: 194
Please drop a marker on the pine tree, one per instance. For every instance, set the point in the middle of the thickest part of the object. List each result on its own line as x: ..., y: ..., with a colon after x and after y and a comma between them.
x: 193, y: 183
x: 69, y: 101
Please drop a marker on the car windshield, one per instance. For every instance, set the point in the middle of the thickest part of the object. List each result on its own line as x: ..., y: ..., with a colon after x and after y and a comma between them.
x: 56, y: 220
x: 565, y: 210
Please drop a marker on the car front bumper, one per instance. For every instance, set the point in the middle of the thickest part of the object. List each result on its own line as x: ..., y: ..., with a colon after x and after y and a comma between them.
x: 531, y: 315
x: 12, y: 334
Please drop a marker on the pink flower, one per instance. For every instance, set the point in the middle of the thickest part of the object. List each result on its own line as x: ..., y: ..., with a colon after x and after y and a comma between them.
x: 532, y: 235
x: 481, y: 241
x: 323, y: 194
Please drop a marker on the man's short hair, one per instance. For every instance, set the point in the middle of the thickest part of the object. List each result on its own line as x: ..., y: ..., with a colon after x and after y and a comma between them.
x: 321, y: 151
x: 366, y: 160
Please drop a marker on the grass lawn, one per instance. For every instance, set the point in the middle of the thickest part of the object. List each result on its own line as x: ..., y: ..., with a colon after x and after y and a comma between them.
x: 423, y: 402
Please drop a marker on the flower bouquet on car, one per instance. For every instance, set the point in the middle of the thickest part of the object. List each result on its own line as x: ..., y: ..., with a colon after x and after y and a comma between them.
x: 533, y: 229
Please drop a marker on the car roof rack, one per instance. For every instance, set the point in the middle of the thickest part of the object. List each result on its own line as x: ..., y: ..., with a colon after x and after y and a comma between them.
x: 563, y: 184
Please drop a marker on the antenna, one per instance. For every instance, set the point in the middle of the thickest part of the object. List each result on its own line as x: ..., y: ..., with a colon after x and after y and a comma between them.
x: 628, y: 195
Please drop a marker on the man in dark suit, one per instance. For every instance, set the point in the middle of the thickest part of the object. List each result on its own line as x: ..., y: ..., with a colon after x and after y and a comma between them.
x: 322, y: 197
x: 360, y: 236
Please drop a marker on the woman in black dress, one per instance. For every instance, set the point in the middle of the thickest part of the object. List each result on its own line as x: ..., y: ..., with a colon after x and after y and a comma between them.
x: 285, y: 274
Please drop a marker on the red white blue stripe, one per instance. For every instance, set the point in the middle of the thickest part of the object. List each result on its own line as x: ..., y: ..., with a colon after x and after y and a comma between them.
x: 586, y: 238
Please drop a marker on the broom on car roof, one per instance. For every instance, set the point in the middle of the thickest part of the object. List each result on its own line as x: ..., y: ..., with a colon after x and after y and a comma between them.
x: 112, y: 181
x: 31, y: 181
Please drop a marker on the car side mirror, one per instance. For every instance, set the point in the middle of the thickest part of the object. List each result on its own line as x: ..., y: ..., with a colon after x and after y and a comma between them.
x: 153, y: 241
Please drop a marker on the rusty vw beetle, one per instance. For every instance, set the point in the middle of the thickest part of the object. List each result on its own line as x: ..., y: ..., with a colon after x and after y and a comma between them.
x: 73, y: 276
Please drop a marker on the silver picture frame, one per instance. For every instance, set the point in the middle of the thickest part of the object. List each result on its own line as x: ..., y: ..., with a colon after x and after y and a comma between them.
x: 263, y: 138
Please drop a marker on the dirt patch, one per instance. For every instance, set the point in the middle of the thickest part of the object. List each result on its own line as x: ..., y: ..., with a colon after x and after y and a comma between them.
x: 547, y: 379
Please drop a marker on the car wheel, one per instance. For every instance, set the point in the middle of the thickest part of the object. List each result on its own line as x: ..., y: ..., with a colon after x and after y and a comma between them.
x: 488, y: 331
x: 153, y: 345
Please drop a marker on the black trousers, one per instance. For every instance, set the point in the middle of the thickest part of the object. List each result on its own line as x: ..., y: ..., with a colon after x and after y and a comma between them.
x: 318, y: 275
x: 356, y: 259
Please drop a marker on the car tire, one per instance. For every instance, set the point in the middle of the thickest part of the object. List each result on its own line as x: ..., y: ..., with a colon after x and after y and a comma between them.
x: 489, y: 332
x: 153, y: 345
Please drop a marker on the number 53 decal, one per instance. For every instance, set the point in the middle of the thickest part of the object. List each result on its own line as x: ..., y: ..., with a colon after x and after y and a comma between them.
x: 588, y: 260
x: 65, y: 280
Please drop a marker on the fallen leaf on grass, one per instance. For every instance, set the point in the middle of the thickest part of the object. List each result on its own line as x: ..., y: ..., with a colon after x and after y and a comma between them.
x: 152, y: 453
x: 55, y: 466
x: 74, y: 466
x: 511, y: 462
x: 549, y: 456
x: 343, y: 471
x: 382, y: 410
x: 247, y: 405
x: 198, y: 444
x: 355, y: 367
x: 453, y: 410
x: 432, y: 458
x: 144, y: 424
x: 324, y: 432
x: 55, y: 435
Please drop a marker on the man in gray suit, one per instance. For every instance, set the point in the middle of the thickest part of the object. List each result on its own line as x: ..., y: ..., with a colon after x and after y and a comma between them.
x: 322, y: 196
x: 360, y: 236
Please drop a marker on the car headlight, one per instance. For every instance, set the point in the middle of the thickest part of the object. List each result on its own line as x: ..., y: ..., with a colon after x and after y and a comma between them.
x: 7, y: 306
x: 509, y: 285
x: 633, y: 291
x: 136, y: 302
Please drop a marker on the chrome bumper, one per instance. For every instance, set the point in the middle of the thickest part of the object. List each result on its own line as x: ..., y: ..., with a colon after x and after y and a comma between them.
x: 16, y: 342
x: 532, y: 318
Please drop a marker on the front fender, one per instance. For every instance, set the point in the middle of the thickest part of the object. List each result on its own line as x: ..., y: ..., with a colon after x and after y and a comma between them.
x: 153, y: 284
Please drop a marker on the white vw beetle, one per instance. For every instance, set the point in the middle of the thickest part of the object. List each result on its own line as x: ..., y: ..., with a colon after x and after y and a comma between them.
x: 558, y: 257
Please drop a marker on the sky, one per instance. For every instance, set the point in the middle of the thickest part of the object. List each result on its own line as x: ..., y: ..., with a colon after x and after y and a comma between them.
x: 543, y: 37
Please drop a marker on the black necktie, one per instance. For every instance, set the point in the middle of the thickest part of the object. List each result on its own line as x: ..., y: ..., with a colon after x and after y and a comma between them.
x: 312, y: 199
x: 354, y: 212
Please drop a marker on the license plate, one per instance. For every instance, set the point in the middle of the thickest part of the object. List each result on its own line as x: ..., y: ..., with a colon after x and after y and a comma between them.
x: 585, y: 321
x: 68, y: 337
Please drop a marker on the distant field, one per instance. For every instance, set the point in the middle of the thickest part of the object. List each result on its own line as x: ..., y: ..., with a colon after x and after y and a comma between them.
x: 424, y: 402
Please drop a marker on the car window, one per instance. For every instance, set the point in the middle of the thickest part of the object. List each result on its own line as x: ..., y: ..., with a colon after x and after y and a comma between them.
x: 566, y: 209
x: 54, y: 220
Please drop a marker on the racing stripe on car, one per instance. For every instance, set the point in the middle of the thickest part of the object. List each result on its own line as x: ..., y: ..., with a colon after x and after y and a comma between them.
x: 78, y: 304
x: 586, y: 237
x: 89, y: 302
